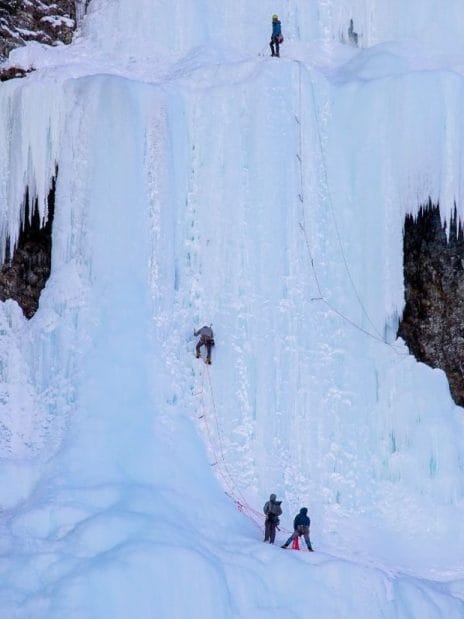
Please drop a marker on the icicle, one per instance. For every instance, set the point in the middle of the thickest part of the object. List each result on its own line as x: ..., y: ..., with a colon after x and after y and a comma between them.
x: 31, y: 118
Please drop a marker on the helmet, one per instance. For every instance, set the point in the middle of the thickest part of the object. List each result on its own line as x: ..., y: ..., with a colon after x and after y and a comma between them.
x: 275, y: 18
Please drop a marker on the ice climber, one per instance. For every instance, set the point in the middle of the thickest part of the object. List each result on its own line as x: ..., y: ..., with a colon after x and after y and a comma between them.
x: 276, y: 36
x: 301, y: 527
x: 207, y: 340
x: 272, y: 510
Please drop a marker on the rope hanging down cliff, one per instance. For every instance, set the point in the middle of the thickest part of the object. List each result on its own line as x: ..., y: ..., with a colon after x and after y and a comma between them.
x: 302, y: 224
x: 230, y: 486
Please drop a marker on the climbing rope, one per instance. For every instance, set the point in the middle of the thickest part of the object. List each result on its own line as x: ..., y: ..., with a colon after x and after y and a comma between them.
x: 230, y: 486
x: 377, y: 336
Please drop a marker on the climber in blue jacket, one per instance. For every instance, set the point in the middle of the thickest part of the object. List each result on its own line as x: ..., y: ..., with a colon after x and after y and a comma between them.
x: 301, y: 527
x: 276, y: 37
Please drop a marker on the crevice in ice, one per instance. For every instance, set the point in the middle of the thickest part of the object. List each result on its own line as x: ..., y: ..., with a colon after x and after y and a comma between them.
x: 432, y: 323
x: 352, y: 38
x: 81, y: 9
x: 27, y: 266
x: 352, y: 35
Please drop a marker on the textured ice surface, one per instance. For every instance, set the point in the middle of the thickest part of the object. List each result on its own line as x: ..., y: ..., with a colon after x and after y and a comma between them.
x: 202, y: 182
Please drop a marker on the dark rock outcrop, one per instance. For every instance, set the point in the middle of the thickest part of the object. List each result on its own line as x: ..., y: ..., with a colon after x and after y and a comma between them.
x: 12, y: 73
x: 45, y: 21
x: 433, y: 320
x: 27, y: 269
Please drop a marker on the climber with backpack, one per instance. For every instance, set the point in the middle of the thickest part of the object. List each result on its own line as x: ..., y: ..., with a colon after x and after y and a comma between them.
x: 206, y: 340
x: 276, y: 36
x: 272, y: 511
x: 301, y: 527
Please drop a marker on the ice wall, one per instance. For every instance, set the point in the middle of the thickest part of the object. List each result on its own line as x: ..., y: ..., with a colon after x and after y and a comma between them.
x: 199, y: 182
x: 178, y: 28
x: 376, y: 21
x: 31, y: 135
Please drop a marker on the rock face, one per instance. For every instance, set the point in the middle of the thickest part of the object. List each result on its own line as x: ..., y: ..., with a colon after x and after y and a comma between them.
x: 433, y: 318
x: 12, y: 73
x: 45, y: 21
x: 25, y: 272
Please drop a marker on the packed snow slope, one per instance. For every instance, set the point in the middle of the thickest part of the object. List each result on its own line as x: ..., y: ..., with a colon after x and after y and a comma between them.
x: 202, y: 182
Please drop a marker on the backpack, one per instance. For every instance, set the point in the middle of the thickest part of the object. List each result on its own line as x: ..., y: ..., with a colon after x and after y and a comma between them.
x: 275, y: 509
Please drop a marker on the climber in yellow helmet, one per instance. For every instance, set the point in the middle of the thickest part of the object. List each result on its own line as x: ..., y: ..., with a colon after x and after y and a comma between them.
x: 276, y: 36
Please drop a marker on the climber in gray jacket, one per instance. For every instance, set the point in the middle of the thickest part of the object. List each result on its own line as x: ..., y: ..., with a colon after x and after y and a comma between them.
x: 272, y: 511
x: 207, y: 340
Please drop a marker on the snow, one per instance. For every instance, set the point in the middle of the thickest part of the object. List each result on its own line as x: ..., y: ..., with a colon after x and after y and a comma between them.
x: 201, y: 182
x: 58, y: 21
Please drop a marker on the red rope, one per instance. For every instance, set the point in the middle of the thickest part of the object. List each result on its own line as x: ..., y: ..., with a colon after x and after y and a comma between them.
x: 219, y: 463
x: 245, y: 504
x: 231, y: 488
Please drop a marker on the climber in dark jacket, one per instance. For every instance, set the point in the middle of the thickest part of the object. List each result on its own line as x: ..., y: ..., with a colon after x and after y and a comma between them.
x: 301, y: 527
x: 272, y: 511
x: 207, y: 340
x: 276, y: 36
